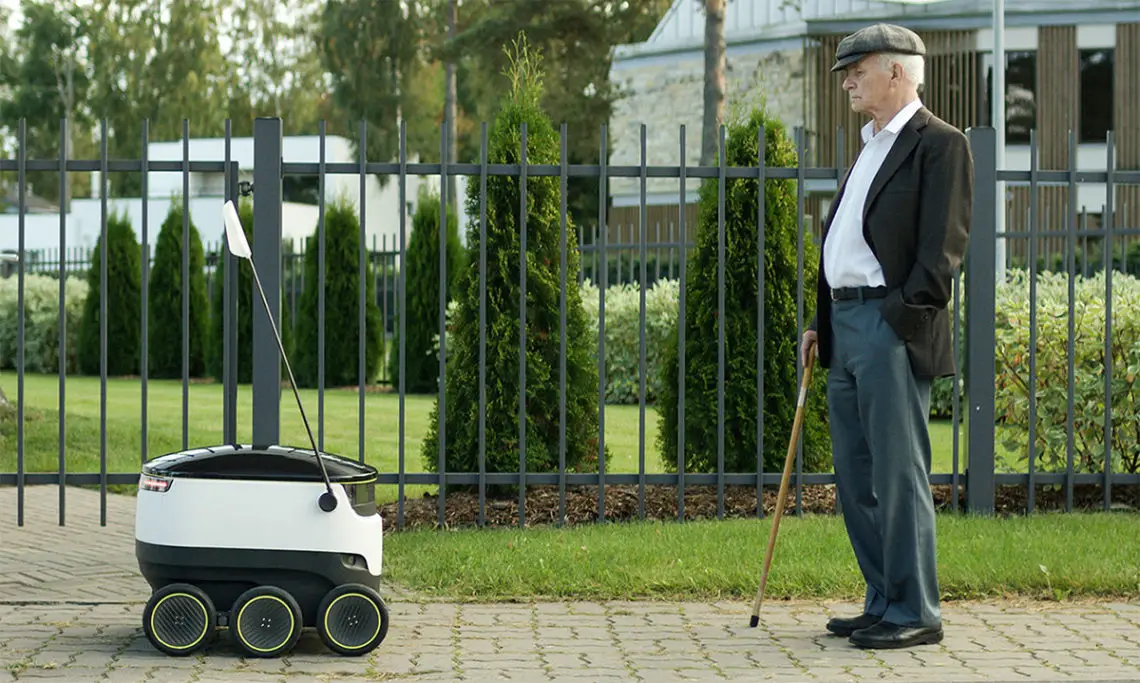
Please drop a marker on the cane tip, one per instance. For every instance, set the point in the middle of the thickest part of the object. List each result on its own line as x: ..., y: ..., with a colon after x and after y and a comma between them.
x: 754, y: 622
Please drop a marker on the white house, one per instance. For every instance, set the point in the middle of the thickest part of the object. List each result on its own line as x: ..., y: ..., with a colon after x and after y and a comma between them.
x: 207, y: 194
x: 1068, y: 64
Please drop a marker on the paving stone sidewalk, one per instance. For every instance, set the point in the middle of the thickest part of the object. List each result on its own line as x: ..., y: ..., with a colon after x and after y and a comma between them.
x: 71, y: 603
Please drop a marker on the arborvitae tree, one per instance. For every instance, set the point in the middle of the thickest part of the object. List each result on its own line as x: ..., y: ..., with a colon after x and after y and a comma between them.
x: 422, y: 275
x: 124, y: 302
x: 543, y: 289
x: 248, y: 300
x: 342, y: 306
x: 164, y: 301
x: 781, y: 334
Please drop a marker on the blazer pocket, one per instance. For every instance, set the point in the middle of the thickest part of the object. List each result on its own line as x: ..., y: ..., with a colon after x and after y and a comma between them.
x: 906, y: 320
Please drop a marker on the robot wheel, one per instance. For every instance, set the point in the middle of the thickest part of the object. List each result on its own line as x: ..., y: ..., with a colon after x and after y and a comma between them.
x: 179, y: 619
x: 352, y: 619
x: 265, y: 621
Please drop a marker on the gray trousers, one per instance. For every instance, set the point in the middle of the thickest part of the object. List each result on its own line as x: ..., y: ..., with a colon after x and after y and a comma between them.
x: 878, y: 414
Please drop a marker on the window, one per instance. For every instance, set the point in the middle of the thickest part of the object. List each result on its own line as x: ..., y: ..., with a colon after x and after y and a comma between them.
x: 1020, y: 95
x: 1096, y: 94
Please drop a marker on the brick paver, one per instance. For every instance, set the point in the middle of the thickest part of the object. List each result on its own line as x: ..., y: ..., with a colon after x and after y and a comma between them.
x: 85, y: 626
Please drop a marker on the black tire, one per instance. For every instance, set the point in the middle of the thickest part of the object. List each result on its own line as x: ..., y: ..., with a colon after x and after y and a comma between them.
x: 265, y: 621
x: 179, y: 619
x: 352, y: 619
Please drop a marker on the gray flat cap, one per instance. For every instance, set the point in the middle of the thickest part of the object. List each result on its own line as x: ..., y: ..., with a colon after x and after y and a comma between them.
x: 877, y: 38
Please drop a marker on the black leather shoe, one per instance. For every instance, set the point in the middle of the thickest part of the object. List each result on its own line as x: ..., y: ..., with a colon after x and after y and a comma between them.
x: 887, y: 636
x: 846, y: 627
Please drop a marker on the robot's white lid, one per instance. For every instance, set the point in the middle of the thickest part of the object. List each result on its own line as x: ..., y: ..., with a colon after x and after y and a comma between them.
x: 271, y: 463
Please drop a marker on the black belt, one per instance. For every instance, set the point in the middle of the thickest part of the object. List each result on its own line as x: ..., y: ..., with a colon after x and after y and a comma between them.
x: 849, y: 293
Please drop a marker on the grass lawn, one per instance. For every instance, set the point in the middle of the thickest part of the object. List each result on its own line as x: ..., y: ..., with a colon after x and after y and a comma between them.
x: 1044, y: 556
x: 381, y: 426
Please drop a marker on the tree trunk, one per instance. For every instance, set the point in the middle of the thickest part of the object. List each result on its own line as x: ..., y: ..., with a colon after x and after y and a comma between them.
x: 714, y: 80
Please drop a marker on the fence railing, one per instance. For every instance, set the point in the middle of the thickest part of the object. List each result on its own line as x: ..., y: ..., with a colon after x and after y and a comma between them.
x: 991, y: 314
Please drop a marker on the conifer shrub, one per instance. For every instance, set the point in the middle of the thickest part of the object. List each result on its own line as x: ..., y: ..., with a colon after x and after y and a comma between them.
x: 342, y: 306
x: 124, y: 302
x: 165, y: 332
x: 781, y: 334
x: 543, y: 292
x: 422, y: 272
x: 248, y: 300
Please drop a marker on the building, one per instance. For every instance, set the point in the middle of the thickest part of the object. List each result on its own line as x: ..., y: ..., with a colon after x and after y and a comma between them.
x: 206, y: 195
x: 1067, y: 64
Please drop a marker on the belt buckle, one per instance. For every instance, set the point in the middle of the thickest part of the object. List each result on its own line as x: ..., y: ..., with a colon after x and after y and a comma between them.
x: 832, y: 293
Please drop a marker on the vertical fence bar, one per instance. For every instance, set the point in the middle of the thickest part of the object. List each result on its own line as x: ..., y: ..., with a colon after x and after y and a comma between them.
x: 522, y: 327
x: 681, y: 338
x: 1033, y: 193
x: 641, y: 343
x: 482, y: 325
x: 64, y: 204
x: 761, y: 229
x: 322, y: 254
x: 605, y: 271
x: 720, y: 305
x: 144, y: 354
x: 981, y: 285
x: 563, y: 191
x: 801, y: 152
x: 21, y: 266
x: 230, y: 308
x: 267, y: 253
x: 443, y: 199
x: 185, y: 283
x: 403, y: 308
x: 103, y: 306
x: 1071, y: 261
x: 956, y: 407
x: 1108, y: 360
x: 840, y: 175
x: 361, y: 290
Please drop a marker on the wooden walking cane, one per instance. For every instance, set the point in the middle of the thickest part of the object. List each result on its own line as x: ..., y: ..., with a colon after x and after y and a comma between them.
x: 783, y: 494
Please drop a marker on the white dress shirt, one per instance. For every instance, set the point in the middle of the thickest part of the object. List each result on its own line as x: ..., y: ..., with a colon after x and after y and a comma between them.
x: 847, y: 260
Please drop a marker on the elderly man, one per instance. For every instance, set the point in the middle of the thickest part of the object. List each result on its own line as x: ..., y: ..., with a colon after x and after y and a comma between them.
x: 896, y: 231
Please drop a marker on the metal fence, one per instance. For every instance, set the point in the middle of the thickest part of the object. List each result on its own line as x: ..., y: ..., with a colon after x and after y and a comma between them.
x: 977, y: 315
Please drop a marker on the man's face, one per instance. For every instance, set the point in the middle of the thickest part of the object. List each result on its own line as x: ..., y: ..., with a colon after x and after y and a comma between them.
x: 868, y: 85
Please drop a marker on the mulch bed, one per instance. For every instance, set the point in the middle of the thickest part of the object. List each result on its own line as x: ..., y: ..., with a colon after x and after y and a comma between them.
x: 542, y: 502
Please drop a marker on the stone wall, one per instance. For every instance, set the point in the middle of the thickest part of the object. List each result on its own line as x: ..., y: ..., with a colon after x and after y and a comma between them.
x: 669, y: 92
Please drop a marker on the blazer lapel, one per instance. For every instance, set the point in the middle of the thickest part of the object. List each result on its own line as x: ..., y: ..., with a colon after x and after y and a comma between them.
x: 908, y: 139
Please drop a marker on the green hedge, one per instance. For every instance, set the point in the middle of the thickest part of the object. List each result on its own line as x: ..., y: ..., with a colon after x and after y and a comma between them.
x: 421, y: 360
x: 165, y: 331
x: 1052, y: 358
x: 124, y: 303
x: 781, y: 329
x: 543, y: 354
x: 41, y: 321
x: 342, y: 307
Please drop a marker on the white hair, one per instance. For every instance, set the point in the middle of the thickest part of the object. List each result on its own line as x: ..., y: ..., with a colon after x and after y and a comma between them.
x: 913, y: 66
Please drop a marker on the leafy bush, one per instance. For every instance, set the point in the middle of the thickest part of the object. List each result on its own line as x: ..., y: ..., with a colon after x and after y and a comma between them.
x: 781, y: 334
x: 420, y: 359
x: 41, y: 323
x: 342, y: 307
x: 124, y: 303
x: 165, y: 332
x: 248, y: 299
x: 543, y: 341
x: 623, y: 328
x: 1052, y: 358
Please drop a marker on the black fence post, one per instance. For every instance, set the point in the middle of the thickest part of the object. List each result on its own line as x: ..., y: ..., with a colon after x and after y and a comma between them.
x: 267, y: 190
x: 229, y: 267
x: 981, y: 276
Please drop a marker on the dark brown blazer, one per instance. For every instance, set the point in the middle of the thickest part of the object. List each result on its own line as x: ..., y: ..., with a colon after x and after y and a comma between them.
x: 917, y: 223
